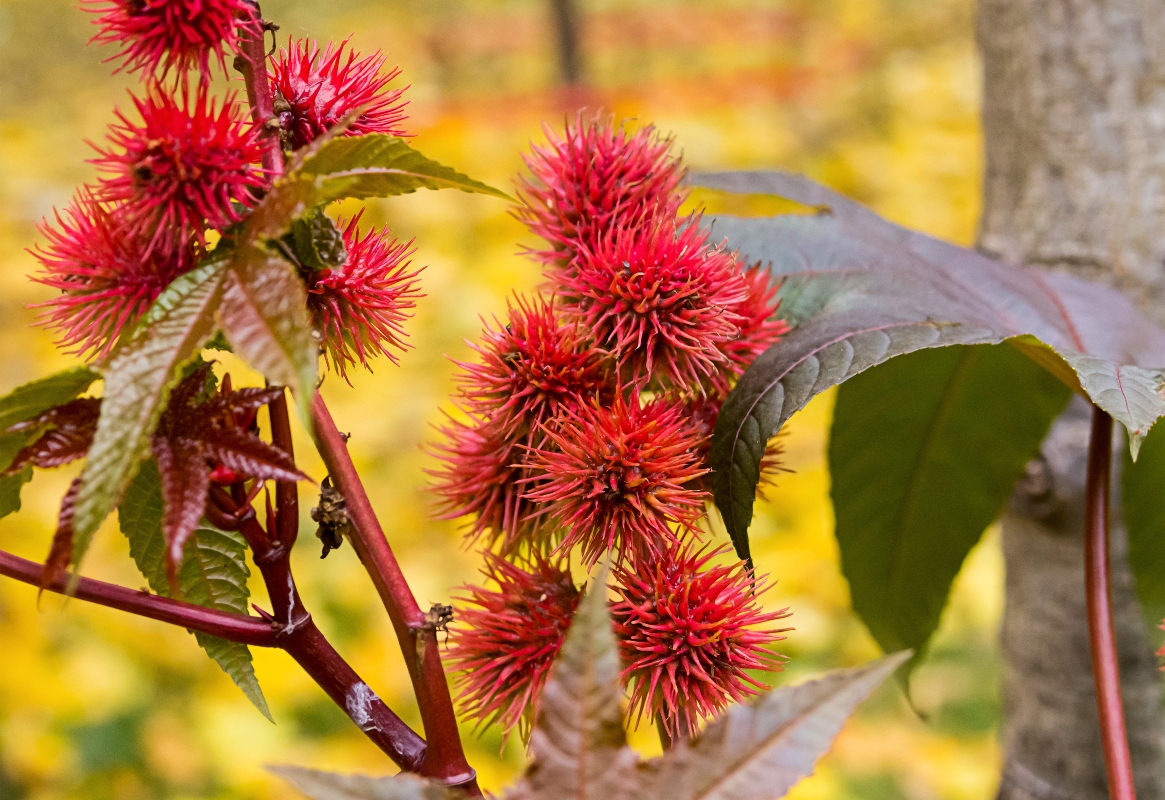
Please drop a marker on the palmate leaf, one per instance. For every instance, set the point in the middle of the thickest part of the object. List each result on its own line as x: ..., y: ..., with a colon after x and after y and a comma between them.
x: 923, y: 454
x: 864, y: 290
x: 22, y: 404
x: 138, y: 379
x: 374, y: 165
x: 760, y: 750
x: 214, y: 572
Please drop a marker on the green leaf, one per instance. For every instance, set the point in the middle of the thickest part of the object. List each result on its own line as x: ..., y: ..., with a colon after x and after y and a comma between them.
x: 863, y: 290
x: 316, y: 242
x: 10, y: 491
x: 214, y: 573
x: 760, y: 750
x: 264, y: 316
x: 138, y: 380
x: 923, y: 454
x: 578, y: 748
x: 374, y: 165
x: 329, y: 786
x: 25, y: 402
x: 1142, y: 491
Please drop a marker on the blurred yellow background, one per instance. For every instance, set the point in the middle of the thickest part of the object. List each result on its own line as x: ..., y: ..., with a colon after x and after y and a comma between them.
x: 877, y: 97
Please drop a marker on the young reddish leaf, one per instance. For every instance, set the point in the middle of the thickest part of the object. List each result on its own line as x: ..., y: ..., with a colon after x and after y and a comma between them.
x: 185, y: 482
x: 67, y: 434
x: 139, y: 377
x: 25, y: 402
x: 61, y: 551
x: 760, y: 750
x: 250, y: 456
x: 264, y: 316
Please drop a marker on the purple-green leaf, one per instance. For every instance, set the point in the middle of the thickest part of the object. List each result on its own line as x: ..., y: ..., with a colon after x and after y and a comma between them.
x: 863, y: 290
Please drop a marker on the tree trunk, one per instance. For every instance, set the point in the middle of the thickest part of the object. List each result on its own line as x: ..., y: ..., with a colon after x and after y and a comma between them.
x: 566, y: 30
x: 1074, y: 125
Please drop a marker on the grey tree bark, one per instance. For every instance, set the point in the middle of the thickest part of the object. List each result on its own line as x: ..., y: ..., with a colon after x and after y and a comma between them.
x: 1074, y: 124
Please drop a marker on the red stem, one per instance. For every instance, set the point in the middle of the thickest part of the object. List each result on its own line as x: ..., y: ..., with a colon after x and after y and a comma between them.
x: 252, y: 62
x: 445, y: 759
x: 303, y: 641
x: 236, y: 627
x: 286, y: 493
x: 1101, y: 632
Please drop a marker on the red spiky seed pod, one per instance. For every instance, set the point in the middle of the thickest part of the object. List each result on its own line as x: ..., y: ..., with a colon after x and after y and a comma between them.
x: 689, y: 630
x: 156, y: 36
x: 189, y: 164
x: 318, y: 89
x: 619, y: 477
x: 482, y: 477
x: 760, y: 328
x: 595, y: 179
x: 531, y: 368
x: 507, y: 638
x: 359, y: 307
x: 660, y: 300
x: 105, y: 272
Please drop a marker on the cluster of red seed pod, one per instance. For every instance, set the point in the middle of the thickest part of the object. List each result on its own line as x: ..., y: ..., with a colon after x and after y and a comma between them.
x: 585, y: 427
x: 184, y: 166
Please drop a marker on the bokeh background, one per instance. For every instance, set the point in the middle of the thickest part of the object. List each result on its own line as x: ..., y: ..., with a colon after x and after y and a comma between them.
x: 876, y: 97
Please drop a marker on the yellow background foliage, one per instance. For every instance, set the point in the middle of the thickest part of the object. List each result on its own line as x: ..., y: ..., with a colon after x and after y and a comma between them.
x: 876, y: 97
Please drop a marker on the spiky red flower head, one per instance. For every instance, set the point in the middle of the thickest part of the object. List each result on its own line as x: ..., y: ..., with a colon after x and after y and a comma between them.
x: 508, y: 638
x: 178, y: 34
x: 760, y: 328
x: 105, y: 272
x: 481, y: 476
x: 595, y: 179
x: 617, y: 477
x: 688, y: 630
x: 662, y: 301
x: 184, y: 167
x: 359, y: 307
x: 532, y: 367
x: 320, y: 89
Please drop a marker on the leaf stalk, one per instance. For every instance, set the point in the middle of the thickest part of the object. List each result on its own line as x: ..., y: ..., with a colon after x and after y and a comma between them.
x: 1101, y: 630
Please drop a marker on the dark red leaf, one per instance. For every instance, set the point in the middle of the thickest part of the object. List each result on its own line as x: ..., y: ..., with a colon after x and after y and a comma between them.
x: 70, y: 428
x: 61, y: 550
x: 250, y: 456
x: 185, y: 481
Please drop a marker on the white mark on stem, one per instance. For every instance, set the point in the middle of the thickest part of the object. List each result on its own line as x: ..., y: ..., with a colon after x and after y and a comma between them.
x: 358, y: 702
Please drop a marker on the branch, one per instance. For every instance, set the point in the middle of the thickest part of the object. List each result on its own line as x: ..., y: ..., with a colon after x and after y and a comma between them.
x: 252, y: 62
x: 286, y: 493
x: 303, y: 641
x: 445, y: 759
x: 1101, y: 632
x: 225, y: 625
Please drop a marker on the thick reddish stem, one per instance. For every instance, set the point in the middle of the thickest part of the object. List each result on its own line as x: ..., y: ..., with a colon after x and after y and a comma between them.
x: 236, y: 627
x: 303, y: 641
x: 1101, y: 632
x: 252, y: 62
x: 445, y: 759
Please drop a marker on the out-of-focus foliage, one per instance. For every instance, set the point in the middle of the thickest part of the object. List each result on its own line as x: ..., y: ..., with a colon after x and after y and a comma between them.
x: 877, y: 97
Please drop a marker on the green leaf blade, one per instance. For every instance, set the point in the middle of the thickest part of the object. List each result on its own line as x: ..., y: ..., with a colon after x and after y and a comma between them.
x: 1142, y: 490
x: 26, y: 401
x: 923, y: 454
x: 138, y: 379
x: 361, y: 167
x: 213, y: 574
